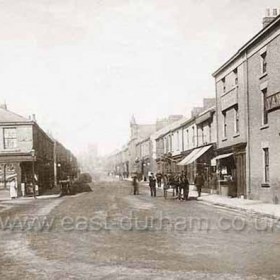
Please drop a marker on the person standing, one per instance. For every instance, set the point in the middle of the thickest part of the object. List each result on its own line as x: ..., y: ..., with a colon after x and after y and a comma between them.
x: 165, y: 184
x: 159, y: 177
x: 135, y: 186
x: 186, y: 187
x: 13, y: 189
x: 152, y: 184
x: 181, y: 186
x: 176, y: 184
x: 199, y: 182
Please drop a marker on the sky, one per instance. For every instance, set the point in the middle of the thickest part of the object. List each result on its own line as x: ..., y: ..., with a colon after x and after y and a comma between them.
x: 85, y: 66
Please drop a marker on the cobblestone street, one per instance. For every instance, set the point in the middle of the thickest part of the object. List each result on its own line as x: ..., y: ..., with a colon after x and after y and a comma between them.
x: 111, y: 234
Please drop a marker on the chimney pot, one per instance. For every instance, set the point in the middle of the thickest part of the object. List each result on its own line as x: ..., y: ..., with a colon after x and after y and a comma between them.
x: 270, y: 15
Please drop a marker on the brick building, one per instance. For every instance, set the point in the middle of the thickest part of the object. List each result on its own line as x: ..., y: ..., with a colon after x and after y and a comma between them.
x: 31, y: 155
x: 25, y: 145
x: 248, y: 103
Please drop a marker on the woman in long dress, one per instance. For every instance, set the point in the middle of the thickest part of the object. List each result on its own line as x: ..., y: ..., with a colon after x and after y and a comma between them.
x: 13, y: 189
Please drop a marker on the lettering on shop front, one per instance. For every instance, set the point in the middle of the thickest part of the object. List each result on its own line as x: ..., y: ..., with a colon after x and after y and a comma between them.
x: 273, y: 102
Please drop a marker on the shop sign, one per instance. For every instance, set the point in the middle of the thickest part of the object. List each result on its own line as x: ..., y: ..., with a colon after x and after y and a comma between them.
x: 273, y: 102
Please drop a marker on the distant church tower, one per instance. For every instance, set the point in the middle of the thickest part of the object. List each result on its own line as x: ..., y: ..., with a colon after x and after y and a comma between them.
x: 133, y: 128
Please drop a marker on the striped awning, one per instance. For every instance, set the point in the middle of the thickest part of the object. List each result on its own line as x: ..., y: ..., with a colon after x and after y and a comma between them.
x: 194, y: 155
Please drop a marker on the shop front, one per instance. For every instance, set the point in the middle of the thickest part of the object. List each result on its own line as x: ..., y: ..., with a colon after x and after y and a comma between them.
x: 199, y: 160
x: 231, y: 171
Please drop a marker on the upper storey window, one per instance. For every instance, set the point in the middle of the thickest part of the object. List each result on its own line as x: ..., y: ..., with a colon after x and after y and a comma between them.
x: 10, y: 138
x: 264, y: 62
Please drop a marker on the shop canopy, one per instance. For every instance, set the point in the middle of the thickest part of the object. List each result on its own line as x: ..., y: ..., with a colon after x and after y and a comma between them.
x: 194, y: 155
x: 213, y: 161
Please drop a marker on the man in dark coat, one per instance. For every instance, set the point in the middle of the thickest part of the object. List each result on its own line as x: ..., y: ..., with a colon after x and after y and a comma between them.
x: 184, y: 186
x: 199, y: 182
x: 159, y: 177
x: 135, y: 185
x: 152, y: 184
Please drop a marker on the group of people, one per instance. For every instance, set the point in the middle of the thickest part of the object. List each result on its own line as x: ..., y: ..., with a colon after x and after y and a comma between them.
x: 178, y: 182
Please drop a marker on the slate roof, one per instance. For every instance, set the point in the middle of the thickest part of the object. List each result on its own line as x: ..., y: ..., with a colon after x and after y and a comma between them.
x: 7, y: 116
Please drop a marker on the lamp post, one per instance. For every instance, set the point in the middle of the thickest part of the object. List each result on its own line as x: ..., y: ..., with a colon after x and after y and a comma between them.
x: 33, y: 172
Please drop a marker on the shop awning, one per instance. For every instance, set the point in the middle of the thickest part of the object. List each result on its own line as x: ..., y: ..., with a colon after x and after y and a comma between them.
x: 213, y: 160
x: 223, y: 156
x: 194, y: 155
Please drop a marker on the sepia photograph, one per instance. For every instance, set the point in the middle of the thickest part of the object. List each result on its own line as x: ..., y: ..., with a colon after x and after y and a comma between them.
x: 140, y: 139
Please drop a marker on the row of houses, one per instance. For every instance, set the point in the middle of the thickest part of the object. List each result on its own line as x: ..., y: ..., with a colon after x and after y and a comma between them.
x: 30, y: 155
x: 235, y: 141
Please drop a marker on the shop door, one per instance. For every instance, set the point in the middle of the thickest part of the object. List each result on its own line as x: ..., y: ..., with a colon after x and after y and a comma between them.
x: 241, y: 174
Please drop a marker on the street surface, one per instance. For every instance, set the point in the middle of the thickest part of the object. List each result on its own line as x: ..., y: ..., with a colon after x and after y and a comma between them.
x: 112, y: 234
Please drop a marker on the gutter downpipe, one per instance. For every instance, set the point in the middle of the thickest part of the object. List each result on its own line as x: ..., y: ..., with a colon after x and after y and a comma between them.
x: 248, y: 154
x: 217, y: 136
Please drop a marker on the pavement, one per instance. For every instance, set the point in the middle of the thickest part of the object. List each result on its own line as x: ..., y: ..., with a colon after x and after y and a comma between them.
x: 250, y: 206
x: 254, y: 207
x: 5, y: 196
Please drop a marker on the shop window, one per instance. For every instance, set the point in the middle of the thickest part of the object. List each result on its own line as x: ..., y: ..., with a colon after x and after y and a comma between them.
x: 264, y: 113
x: 266, y: 164
x: 264, y: 62
x: 10, y: 138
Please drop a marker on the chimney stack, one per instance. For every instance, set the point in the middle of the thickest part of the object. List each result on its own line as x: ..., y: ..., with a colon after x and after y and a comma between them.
x: 33, y: 117
x: 270, y: 15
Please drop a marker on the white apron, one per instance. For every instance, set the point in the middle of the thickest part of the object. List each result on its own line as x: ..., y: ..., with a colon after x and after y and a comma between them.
x: 13, y: 189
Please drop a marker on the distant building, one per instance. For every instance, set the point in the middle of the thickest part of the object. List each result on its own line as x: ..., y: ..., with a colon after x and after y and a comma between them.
x: 189, y: 143
x: 138, y: 132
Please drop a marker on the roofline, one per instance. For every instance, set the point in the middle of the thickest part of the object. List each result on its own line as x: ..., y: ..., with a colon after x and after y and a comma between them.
x: 143, y: 140
x: 16, y: 123
x: 173, y: 129
x: 184, y: 123
x: 247, y: 45
x: 42, y: 130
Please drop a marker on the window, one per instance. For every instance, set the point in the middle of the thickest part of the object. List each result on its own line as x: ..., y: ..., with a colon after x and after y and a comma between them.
x: 170, y: 143
x: 188, y: 139
x: 236, y: 120
x: 10, y: 138
x: 266, y: 164
x: 193, y: 137
x: 225, y: 124
x: 264, y: 62
x: 178, y: 141
x: 202, y: 133
x: 264, y: 113
x: 224, y: 84
x: 235, y: 71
